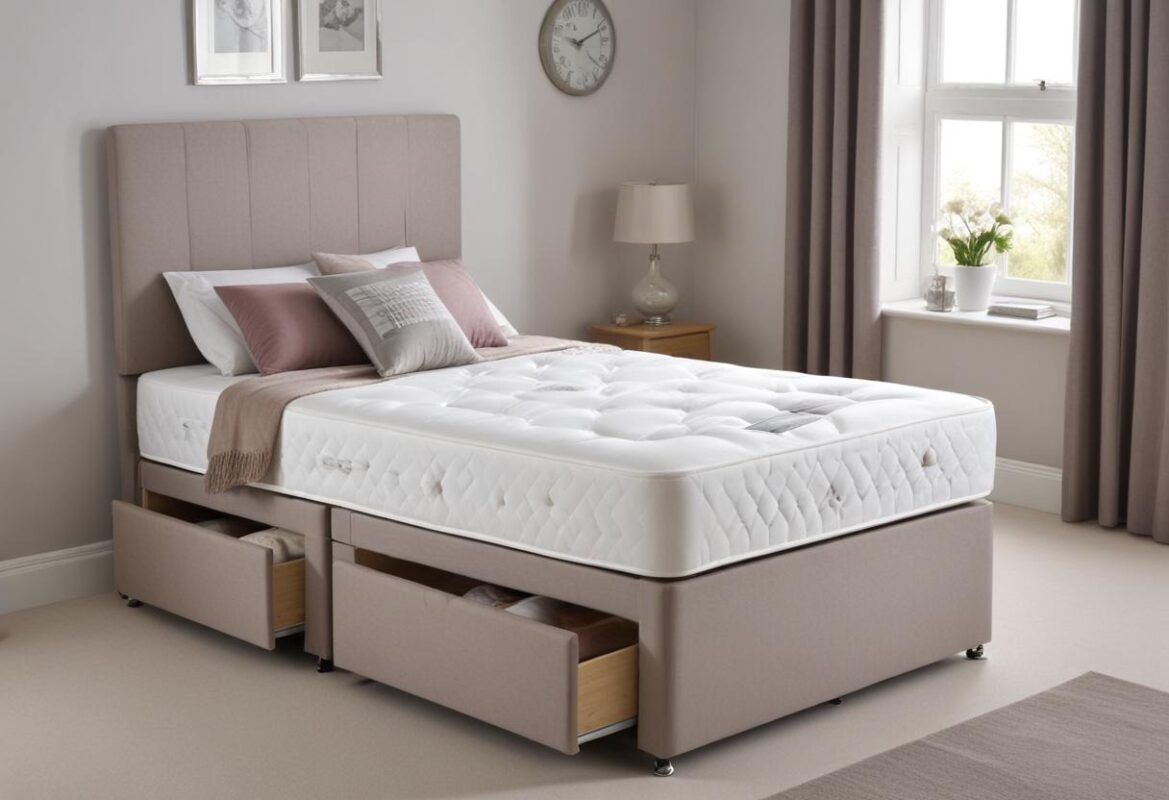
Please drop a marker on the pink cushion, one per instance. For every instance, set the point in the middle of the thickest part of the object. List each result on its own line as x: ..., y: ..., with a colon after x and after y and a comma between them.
x: 461, y: 295
x: 287, y: 327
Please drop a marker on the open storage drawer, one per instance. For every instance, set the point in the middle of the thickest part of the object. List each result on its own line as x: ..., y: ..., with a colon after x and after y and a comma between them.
x: 164, y: 558
x: 392, y: 624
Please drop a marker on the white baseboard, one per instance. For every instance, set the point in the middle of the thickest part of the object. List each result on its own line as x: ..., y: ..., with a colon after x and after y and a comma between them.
x: 1019, y: 483
x: 45, y: 578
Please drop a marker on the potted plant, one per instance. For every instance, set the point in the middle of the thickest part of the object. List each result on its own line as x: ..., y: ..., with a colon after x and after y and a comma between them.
x: 976, y: 235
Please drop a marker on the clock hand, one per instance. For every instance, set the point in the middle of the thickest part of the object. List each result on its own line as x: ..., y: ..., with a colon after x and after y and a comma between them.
x: 585, y: 39
x: 590, y: 55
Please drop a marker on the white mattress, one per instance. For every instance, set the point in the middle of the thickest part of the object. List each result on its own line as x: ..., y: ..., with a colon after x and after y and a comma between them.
x: 630, y: 461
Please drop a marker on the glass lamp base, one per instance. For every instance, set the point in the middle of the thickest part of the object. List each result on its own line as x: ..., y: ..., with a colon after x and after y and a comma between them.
x: 655, y: 297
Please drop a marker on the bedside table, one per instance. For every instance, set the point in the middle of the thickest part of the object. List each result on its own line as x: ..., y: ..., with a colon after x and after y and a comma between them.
x: 682, y: 339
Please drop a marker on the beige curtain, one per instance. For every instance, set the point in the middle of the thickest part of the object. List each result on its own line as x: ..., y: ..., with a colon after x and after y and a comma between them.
x: 1116, y: 444
x: 831, y: 323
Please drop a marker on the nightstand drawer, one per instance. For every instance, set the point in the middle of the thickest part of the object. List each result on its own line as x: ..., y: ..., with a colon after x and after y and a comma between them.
x: 681, y: 339
x: 696, y: 345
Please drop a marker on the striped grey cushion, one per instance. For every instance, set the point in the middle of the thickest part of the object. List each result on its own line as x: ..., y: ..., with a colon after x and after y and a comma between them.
x: 397, y: 319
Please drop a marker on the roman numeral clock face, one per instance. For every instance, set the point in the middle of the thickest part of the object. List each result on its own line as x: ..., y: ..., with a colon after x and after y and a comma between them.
x: 577, y: 45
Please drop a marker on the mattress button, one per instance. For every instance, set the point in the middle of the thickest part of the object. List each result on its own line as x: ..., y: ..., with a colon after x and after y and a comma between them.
x: 929, y: 458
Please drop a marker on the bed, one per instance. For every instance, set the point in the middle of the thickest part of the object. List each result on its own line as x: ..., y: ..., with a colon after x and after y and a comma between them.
x: 779, y: 540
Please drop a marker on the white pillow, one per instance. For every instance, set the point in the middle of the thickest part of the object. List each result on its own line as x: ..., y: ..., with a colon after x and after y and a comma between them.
x: 504, y: 325
x: 211, y: 325
x: 395, y: 255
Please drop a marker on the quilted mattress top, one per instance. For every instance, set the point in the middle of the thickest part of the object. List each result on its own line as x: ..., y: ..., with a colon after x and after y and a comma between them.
x: 643, y: 463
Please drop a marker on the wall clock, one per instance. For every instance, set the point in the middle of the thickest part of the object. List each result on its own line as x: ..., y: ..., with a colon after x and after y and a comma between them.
x: 577, y: 45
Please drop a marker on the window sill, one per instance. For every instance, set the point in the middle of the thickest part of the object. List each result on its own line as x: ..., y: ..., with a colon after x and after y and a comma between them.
x: 915, y: 309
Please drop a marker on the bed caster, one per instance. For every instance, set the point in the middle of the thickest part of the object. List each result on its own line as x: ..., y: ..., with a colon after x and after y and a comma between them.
x: 324, y: 665
x: 976, y: 653
x: 663, y: 767
x: 132, y: 603
x: 838, y: 701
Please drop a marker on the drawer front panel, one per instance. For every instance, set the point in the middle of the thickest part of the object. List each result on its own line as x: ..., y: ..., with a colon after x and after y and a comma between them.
x: 693, y: 346
x: 204, y: 576
x: 503, y: 669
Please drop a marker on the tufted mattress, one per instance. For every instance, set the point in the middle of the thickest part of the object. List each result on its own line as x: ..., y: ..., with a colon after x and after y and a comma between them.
x: 645, y: 464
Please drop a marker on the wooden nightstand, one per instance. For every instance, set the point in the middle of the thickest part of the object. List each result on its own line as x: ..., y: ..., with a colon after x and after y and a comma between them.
x: 683, y: 339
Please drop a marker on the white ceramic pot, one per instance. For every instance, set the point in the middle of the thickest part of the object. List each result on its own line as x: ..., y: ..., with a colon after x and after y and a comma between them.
x: 972, y: 287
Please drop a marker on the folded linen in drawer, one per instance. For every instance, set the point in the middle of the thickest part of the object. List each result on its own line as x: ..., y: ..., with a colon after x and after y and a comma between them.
x: 285, y: 545
x: 231, y: 526
x: 495, y: 596
x: 597, y: 632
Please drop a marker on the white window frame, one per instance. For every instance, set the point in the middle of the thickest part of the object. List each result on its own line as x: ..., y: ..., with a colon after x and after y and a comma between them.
x: 1006, y: 103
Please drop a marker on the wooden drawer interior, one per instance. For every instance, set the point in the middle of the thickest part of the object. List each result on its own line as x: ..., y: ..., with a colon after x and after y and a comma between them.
x: 606, y: 683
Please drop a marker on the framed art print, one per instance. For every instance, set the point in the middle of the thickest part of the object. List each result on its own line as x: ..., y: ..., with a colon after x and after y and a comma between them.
x: 237, y: 41
x: 339, y: 40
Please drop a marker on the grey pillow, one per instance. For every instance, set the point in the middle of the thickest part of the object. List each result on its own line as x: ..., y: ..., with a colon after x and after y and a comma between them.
x: 397, y: 319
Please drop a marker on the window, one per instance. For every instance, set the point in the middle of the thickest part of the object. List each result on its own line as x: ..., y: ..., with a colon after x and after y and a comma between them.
x: 999, y: 127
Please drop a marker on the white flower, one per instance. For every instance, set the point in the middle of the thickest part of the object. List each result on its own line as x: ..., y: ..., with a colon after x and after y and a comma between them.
x: 955, y: 206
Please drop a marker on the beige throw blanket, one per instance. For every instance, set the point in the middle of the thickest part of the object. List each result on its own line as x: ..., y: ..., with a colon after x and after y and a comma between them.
x: 249, y: 412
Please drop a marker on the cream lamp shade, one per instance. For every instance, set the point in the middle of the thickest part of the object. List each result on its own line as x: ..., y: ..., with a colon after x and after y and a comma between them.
x: 654, y: 213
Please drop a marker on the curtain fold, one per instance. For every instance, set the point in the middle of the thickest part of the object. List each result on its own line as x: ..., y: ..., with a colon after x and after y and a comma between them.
x: 831, y: 304
x: 1116, y: 442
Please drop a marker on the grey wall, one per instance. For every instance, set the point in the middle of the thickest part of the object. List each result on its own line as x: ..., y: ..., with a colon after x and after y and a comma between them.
x: 1022, y: 372
x: 741, y: 154
x: 539, y: 175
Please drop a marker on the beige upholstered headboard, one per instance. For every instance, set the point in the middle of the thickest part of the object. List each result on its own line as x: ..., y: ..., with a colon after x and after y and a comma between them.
x: 266, y: 193
x: 261, y: 193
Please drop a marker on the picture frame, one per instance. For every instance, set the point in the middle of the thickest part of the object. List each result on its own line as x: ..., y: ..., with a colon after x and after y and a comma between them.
x: 237, y: 42
x: 339, y: 40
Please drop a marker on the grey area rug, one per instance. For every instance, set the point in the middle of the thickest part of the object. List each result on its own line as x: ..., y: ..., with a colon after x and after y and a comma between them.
x: 1094, y: 738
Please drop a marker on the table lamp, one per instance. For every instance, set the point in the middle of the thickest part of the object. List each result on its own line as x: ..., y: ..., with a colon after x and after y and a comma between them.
x: 654, y: 214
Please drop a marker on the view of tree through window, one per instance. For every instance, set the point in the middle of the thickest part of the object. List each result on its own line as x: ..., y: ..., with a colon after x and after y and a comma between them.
x: 1040, y: 200
x: 1003, y: 102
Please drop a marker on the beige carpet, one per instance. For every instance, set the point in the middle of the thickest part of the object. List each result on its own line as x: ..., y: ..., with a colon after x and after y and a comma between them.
x: 100, y: 701
x: 1093, y: 738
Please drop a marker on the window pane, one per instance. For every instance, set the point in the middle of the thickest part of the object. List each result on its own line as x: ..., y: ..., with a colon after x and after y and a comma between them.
x: 974, y: 41
x: 969, y: 167
x: 1040, y: 203
x: 1045, y: 34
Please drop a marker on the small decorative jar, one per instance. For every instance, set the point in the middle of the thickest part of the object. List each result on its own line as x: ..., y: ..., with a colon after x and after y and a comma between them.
x: 939, y: 297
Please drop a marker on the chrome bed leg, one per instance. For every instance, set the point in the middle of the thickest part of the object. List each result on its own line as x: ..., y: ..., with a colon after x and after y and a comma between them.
x: 976, y: 653
x: 663, y: 767
x: 324, y: 665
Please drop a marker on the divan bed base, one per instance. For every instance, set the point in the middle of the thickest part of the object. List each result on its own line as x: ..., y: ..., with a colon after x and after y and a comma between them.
x: 731, y: 649
x: 717, y: 654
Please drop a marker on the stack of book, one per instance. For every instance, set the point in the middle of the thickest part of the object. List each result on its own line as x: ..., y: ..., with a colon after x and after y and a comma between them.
x: 1021, y: 310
